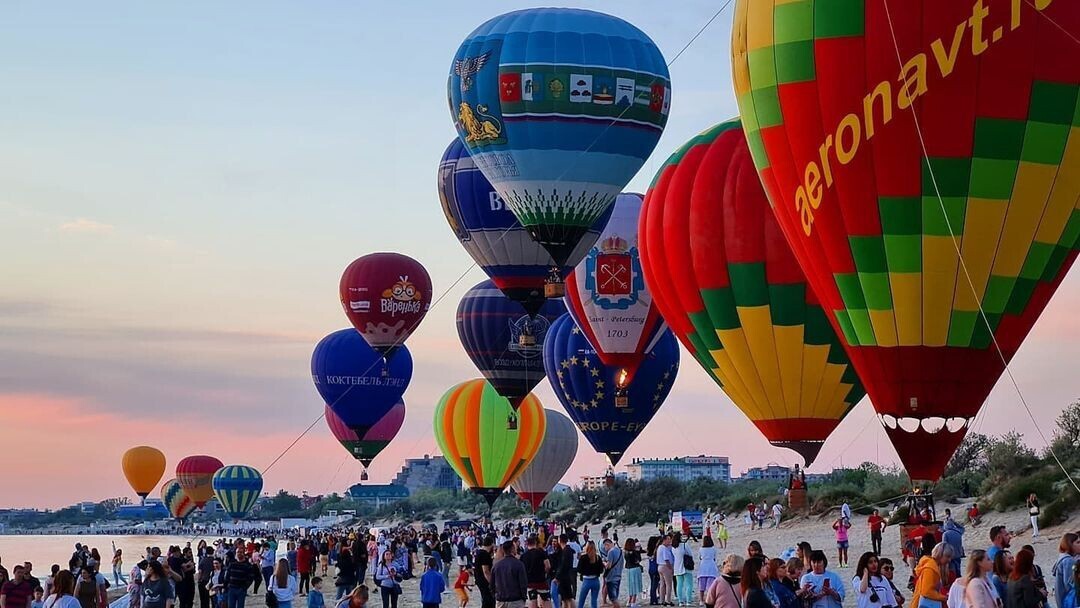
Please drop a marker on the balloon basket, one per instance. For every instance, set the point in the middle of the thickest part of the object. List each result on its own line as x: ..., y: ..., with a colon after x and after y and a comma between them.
x: 364, y: 475
x: 554, y: 290
x: 511, y: 422
x: 621, y: 400
x: 526, y: 340
x: 797, y: 502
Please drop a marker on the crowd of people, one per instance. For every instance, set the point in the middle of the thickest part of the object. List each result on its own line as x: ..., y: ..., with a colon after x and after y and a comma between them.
x: 541, y: 565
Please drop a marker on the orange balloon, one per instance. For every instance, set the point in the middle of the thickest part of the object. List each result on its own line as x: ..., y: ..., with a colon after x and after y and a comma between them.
x: 144, y: 467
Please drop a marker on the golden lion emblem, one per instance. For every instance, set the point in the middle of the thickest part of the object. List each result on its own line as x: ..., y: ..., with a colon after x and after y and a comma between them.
x: 479, y: 126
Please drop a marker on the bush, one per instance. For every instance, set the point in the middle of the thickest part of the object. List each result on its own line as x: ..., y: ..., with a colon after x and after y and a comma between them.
x: 1012, y: 493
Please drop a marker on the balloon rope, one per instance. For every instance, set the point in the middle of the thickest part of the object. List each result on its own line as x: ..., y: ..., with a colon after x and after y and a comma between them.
x: 700, y: 32
x: 963, y: 264
x: 1042, y: 13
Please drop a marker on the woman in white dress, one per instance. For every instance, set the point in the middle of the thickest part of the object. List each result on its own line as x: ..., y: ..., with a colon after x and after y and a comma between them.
x: 706, y: 567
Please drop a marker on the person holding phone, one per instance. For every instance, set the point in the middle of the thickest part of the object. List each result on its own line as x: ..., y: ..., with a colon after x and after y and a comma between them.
x: 824, y: 587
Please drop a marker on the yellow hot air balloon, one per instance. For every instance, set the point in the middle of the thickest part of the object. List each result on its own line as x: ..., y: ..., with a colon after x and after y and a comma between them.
x: 471, y: 430
x: 144, y: 467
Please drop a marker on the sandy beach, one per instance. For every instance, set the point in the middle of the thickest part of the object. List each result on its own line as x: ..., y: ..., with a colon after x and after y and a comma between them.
x: 817, y: 531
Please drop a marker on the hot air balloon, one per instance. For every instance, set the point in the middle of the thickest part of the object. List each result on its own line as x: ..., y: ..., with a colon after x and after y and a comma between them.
x: 608, y: 297
x: 470, y: 427
x: 934, y: 239
x: 587, y: 388
x: 237, y: 487
x: 559, y: 109
x: 552, y: 460
x: 377, y: 438
x: 355, y: 383
x: 176, y: 500
x: 505, y: 344
x: 143, y: 467
x: 730, y: 287
x: 501, y: 247
x: 385, y: 296
x: 195, y: 474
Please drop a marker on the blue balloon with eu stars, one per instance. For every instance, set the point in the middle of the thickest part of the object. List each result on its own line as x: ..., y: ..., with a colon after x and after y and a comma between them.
x: 587, y: 388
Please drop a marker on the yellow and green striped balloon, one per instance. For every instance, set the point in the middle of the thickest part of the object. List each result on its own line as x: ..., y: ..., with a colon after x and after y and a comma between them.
x: 474, y: 433
x: 237, y: 487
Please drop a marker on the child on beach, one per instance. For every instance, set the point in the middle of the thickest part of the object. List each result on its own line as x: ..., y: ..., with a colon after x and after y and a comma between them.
x: 461, y: 587
x: 38, y: 602
x: 315, y: 598
x: 841, y: 526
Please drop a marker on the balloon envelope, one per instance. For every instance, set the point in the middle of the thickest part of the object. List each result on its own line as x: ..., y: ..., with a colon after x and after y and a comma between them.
x: 472, y: 432
x: 552, y: 460
x: 559, y: 108
x: 586, y: 387
x: 504, y: 343
x: 499, y: 244
x: 608, y: 297
x: 910, y: 232
x: 734, y: 293
x: 237, y: 487
x: 355, y: 382
x: 385, y: 296
x: 143, y: 468
x: 195, y: 474
x: 176, y: 500
x: 381, y: 434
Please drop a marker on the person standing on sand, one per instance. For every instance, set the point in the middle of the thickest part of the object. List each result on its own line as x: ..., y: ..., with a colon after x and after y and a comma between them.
x: 726, y: 591
x: 877, y: 525
x: 1033, y: 514
x: 666, y: 567
x: 1062, y: 571
x: 930, y: 577
x: 238, y: 577
x: 63, y: 588
x: 707, y: 570
x: 432, y: 585
x: 841, y: 527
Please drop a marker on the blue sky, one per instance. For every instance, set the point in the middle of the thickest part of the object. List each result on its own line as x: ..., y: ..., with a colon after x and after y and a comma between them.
x: 181, y: 185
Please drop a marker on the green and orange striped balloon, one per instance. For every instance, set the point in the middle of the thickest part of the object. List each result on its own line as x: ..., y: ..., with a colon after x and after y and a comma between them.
x: 923, y: 160
x: 725, y: 280
x: 473, y: 431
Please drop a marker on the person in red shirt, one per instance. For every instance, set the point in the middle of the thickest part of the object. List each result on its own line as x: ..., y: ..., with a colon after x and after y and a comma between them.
x: 877, y: 525
x: 461, y: 586
x: 305, y: 557
x: 17, y: 592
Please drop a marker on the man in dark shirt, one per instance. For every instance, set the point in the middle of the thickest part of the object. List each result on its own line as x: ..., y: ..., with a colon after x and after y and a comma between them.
x: 205, y: 570
x: 238, y: 577
x: 16, y: 593
x: 482, y: 570
x: 537, y: 567
x: 29, y: 577
x: 509, y: 582
x: 565, y: 576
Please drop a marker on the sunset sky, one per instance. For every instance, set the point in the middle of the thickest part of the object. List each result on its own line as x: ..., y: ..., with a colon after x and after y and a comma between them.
x: 181, y: 185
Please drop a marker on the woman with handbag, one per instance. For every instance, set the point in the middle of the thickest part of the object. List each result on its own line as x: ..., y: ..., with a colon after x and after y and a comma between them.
x: 386, y: 577
x: 726, y: 590
x: 281, y: 588
x: 346, y: 577
x: 929, y: 579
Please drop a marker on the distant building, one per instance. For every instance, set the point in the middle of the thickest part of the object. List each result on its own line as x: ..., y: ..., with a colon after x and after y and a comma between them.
x: 86, y: 508
x: 377, y: 495
x: 770, y: 472
x: 596, y: 482
x: 427, y: 472
x: 685, y: 468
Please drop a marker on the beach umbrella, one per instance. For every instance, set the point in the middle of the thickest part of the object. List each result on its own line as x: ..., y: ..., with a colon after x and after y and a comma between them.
x: 730, y: 287
x: 923, y: 161
x: 237, y: 488
x: 587, y: 388
x: 490, y: 233
x: 385, y: 296
x: 471, y: 430
x: 505, y: 344
x: 559, y: 108
x: 195, y: 474
x: 552, y: 460
x: 355, y: 382
x: 608, y: 297
x: 366, y: 448
x: 143, y: 468
x: 176, y: 500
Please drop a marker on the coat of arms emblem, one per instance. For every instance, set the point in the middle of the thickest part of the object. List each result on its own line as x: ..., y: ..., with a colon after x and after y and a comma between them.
x: 613, y: 274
